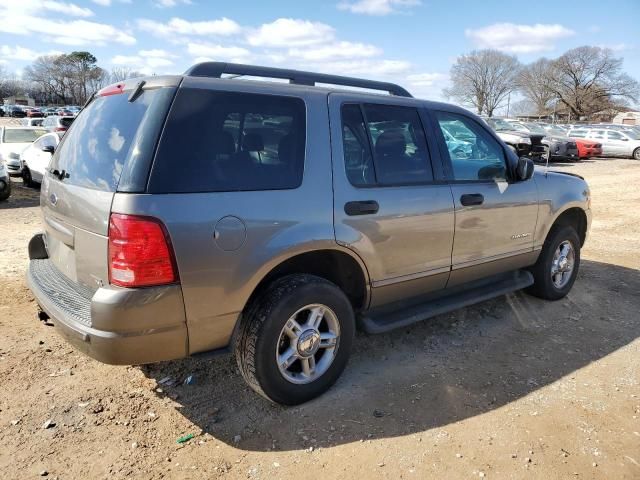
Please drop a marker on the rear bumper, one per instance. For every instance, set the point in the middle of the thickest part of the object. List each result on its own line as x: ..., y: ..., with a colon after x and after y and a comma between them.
x: 112, y: 325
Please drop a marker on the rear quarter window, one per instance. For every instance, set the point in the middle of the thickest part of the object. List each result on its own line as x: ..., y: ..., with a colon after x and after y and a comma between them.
x: 228, y: 141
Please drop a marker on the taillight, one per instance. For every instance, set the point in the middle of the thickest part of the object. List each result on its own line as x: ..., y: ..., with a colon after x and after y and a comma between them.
x: 140, y: 252
x: 61, y: 129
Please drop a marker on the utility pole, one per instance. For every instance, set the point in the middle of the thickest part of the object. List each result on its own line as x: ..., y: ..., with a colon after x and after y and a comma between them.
x: 508, y: 104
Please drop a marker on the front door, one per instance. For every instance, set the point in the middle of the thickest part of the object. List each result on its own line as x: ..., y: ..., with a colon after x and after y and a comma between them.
x: 617, y: 144
x: 391, y: 206
x: 495, y: 218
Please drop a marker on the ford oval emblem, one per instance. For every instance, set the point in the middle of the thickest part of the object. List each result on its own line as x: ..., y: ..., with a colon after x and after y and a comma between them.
x: 53, y: 199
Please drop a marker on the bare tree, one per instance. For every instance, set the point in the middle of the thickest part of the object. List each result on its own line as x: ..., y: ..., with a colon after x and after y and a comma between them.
x: 118, y: 74
x: 66, y: 78
x: 483, y: 79
x: 535, y: 82
x: 590, y: 79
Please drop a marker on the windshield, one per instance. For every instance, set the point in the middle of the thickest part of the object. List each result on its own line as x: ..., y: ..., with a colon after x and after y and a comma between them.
x: 22, y: 135
x: 499, y: 125
x: 557, y: 131
x: 535, y: 128
x: 632, y: 135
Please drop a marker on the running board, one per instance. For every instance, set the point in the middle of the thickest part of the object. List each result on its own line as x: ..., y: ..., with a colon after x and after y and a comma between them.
x: 392, y: 317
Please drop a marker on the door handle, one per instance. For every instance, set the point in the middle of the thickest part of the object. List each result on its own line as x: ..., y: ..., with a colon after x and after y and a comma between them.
x: 469, y: 199
x: 363, y: 207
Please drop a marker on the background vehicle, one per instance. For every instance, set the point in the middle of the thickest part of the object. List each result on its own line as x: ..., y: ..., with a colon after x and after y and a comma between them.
x: 31, y: 122
x: 33, y: 112
x: 5, y: 182
x: 560, y: 146
x: 49, y: 111
x: 15, y: 112
x: 13, y: 140
x: 274, y: 240
x: 64, y: 112
x: 588, y: 148
x: 56, y: 123
x: 614, y: 143
x: 523, y: 143
x: 37, y: 156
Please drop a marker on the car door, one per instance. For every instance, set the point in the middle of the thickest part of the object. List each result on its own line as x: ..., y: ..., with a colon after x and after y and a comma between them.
x: 617, y: 144
x: 41, y: 159
x: 392, y: 206
x: 495, y: 218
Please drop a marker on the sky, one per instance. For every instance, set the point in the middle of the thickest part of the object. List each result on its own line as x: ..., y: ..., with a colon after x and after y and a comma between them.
x: 410, y: 42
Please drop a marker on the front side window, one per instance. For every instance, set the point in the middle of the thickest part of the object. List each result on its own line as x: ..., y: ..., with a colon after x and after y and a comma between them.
x: 614, y: 136
x: 391, y: 136
x: 474, y: 153
x: 225, y: 141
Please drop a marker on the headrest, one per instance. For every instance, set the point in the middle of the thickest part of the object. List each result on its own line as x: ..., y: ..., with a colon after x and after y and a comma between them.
x: 223, y: 143
x: 252, y: 142
x: 391, y: 143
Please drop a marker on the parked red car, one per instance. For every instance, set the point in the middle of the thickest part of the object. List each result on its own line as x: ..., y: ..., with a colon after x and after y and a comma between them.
x: 588, y: 148
x: 34, y: 112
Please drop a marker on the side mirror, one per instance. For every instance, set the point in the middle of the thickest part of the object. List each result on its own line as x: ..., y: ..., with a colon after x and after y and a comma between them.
x: 524, y: 169
x: 48, y: 149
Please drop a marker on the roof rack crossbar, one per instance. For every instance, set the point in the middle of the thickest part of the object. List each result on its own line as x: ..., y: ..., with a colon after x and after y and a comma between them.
x: 217, y: 69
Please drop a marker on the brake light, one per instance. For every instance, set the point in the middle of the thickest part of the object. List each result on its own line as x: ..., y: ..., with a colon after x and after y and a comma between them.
x: 61, y: 129
x: 111, y: 90
x: 140, y: 252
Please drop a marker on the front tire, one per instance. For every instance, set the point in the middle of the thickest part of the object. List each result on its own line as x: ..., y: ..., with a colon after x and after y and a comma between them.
x: 636, y: 154
x: 295, y: 339
x: 557, y: 267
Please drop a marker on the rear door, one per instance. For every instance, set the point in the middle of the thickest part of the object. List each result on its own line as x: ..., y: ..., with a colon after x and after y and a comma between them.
x: 391, y: 205
x: 494, y: 218
x: 111, y: 135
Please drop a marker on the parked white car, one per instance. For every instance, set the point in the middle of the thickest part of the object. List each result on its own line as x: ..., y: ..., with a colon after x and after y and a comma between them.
x: 614, y: 143
x: 36, y: 157
x: 13, y: 140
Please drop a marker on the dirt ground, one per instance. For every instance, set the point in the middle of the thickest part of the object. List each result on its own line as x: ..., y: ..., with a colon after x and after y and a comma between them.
x: 510, y: 388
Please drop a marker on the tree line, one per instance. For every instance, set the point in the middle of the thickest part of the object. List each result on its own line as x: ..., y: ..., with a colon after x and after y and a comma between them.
x: 66, y: 79
x: 580, y: 83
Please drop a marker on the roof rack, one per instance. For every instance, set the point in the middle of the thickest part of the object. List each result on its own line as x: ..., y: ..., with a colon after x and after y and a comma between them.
x: 217, y: 69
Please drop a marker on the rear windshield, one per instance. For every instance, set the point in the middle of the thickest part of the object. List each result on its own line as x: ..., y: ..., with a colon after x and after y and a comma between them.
x: 22, y: 135
x: 94, y: 150
x: 220, y: 141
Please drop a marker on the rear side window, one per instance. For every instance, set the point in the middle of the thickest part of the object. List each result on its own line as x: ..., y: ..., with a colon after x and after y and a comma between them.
x: 93, y: 152
x: 227, y: 141
x: 393, y: 136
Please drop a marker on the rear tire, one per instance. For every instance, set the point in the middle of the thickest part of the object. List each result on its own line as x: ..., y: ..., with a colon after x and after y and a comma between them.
x: 279, y: 350
x: 557, y: 267
x: 26, y: 177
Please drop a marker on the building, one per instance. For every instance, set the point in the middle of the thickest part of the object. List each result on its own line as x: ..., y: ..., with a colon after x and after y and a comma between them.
x: 627, y: 118
x: 20, y: 100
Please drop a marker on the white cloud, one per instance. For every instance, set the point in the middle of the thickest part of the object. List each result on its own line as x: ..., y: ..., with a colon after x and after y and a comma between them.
x: 21, y: 53
x: 618, y: 47
x: 335, y: 50
x: 104, y: 3
x: 178, y: 26
x: 70, y: 9
x: 170, y: 3
x: 145, y: 61
x: 217, y: 52
x: 290, y: 32
x: 29, y: 17
x: 512, y: 38
x: 377, y: 7
x: 426, y: 79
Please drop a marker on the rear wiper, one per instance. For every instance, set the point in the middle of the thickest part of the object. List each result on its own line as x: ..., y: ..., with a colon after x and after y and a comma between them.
x: 136, y: 91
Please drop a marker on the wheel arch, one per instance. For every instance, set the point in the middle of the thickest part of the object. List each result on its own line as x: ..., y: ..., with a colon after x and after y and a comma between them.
x: 574, y: 217
x: 337, y: 265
